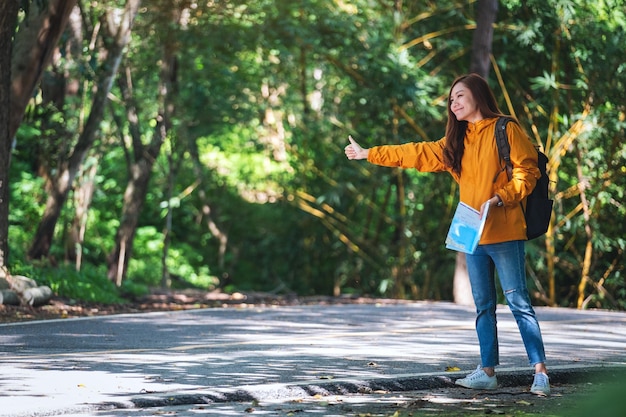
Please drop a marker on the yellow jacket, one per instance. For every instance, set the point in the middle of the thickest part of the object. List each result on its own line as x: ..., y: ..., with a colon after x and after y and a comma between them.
x: 479, y: 166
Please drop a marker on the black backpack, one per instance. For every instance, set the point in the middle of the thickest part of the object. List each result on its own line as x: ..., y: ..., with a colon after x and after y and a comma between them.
x: 538, y: 205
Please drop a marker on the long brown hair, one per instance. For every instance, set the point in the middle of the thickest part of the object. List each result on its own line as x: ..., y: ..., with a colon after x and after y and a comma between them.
x: 455, y: 130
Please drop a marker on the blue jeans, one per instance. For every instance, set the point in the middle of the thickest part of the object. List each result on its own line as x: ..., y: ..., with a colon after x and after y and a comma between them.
x: 508, y: 259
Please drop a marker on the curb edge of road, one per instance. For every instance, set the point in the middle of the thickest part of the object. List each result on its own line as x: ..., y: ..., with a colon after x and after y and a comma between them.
x: 513, y: 377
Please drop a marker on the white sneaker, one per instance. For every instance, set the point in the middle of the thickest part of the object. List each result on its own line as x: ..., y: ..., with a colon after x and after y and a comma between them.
x: 541, y: 384
x: 478, y: 380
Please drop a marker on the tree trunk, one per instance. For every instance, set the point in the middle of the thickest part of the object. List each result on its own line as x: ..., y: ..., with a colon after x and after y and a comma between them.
x: 461, y: 288
x: 8, y: 22
x: 483, y: 36
x: 166, y: 281
x: 45, y: 230
x: 34, y: 44
x: 117, y: 39
x: 82, y: 200
x: 134, y: 197
x: 585, y: 277
x: 141, y: 165
x: 207, y: 210
x: 481, y: 50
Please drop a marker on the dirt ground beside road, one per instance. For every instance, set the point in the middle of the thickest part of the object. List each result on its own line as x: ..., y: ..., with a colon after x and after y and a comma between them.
x: 59, y: 308
x: 601, y: 399
x: 567, y: 400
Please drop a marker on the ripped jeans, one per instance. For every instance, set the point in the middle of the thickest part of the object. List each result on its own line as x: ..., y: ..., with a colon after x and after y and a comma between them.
x: 508, y: 259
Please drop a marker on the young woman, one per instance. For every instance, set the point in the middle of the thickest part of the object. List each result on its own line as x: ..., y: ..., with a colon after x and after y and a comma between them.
x: 469, y: 153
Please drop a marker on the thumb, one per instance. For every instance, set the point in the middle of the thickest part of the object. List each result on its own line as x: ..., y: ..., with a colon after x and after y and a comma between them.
x: 352, y: 141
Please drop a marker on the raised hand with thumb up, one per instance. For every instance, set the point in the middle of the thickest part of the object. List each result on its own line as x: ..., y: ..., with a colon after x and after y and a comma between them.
x: 355, y: 151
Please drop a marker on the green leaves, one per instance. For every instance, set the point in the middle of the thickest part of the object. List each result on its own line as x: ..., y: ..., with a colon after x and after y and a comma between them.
x: 545, y: 82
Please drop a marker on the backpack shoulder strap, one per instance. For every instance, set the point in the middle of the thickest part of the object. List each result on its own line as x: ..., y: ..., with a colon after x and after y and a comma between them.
x: 504, y: 149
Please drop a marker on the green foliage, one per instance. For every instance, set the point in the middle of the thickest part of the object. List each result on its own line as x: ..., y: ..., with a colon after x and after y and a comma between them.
x: 183, y: 262
x: 608, y: 401
x: 268, y: 91
x: 90, y: 284
x: 27, y: 194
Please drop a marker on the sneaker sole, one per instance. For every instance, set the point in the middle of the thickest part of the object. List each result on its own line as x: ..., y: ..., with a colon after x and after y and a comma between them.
x: 481, y: 388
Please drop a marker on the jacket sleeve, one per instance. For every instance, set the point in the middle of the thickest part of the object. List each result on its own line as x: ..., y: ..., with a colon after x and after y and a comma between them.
x: 423, y: 156
x: 525, y: 172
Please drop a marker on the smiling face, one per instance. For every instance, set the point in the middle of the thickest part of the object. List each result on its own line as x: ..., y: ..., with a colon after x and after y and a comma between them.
x: 463, y: 105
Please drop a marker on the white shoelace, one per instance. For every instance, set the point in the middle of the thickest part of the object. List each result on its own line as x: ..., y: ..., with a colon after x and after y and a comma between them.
x: 477, y: 374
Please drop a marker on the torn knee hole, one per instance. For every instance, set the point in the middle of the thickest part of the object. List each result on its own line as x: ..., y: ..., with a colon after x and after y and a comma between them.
x: 510, y: 291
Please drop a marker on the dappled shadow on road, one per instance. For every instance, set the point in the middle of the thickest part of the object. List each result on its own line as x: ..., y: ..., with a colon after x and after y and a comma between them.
x: 110, y: 359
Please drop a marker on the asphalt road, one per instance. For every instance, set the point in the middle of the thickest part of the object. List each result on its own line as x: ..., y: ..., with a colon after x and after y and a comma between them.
x: 218, y: 361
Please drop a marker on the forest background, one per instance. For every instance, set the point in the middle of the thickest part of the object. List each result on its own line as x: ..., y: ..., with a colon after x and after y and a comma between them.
x: 177, y: 143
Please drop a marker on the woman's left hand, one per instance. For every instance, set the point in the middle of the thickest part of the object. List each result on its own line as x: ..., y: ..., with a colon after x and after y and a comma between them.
x: 492, y: 202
